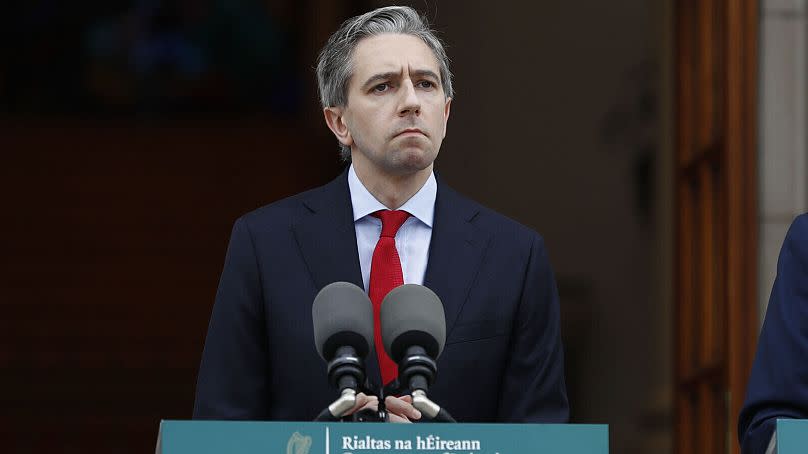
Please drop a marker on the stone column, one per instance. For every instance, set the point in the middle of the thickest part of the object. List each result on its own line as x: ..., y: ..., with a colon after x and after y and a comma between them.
x: 783, y: 170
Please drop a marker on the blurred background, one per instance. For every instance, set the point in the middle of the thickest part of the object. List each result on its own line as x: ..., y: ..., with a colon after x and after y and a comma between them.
x: 659, y: 147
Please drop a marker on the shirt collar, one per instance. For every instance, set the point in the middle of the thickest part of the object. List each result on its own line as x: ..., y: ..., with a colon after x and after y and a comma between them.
x: 421, y: 205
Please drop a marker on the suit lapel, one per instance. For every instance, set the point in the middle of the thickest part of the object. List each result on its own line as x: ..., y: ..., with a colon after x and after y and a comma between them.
x: 456, y: 252
x: 326, y: 237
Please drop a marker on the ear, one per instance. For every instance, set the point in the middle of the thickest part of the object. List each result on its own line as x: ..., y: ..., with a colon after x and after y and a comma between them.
x: 335, y: 120
x: 446, y: 110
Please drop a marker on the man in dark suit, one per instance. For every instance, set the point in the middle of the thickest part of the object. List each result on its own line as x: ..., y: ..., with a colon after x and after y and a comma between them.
x: 778, y: 386
x: 386, y: 92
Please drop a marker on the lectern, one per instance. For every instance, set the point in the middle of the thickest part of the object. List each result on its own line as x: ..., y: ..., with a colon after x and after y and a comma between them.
x: 249, y: 437
x: 790, y: 437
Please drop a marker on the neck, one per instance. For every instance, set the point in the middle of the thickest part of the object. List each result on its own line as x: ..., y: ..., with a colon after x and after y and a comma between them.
x: 390, y: 189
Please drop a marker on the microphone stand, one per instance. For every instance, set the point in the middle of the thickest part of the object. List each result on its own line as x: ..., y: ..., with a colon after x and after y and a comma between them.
x: 346, y: 371
x: 336, y: 409
x: 429, y: 408
x: 418, y: 370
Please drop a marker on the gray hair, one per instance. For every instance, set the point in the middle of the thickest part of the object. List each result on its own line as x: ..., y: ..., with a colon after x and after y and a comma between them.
x: 334, y: 68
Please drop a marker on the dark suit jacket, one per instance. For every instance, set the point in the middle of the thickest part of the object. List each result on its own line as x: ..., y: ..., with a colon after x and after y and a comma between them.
x: 503, y: 359
x: 778, y: 386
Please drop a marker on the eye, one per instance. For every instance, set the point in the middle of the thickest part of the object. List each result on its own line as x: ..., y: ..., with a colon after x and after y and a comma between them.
x: 381, y: 88
x: 426, y: 84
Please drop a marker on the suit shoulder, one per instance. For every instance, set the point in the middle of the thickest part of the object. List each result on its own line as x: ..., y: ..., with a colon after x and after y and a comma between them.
x: 280, y: 213
x: 799, y: 227
x: 797, y: 237
x: 499, y: 225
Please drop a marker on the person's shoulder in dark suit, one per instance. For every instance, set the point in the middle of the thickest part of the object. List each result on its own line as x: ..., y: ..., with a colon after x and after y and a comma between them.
x: 496, y: 224
x: 778, y: 385
x: 281, y: 214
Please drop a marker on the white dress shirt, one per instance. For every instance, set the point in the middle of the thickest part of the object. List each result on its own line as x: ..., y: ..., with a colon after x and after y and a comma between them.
x: 412, y: 239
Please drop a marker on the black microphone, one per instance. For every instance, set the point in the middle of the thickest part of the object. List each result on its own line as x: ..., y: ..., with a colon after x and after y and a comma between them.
x: 413, y: 326
x: 343, y: 335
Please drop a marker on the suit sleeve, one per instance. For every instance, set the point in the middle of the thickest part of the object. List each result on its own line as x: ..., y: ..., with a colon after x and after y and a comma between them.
x: 232, y: 381
x: 533, y: 384
x: 778, y: 385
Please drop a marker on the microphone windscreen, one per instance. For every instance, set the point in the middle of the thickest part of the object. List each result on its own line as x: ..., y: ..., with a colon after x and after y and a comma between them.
x: 412, y: 315
x: 342, y: 316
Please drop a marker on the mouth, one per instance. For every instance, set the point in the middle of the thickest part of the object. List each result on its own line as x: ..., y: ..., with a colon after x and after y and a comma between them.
x: 410, y: 131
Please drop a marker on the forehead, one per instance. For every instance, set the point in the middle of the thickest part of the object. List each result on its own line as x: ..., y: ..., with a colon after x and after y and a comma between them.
x: 392, y: 52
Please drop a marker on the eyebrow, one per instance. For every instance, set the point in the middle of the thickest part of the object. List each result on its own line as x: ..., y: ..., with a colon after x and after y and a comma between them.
x: 392, y: 75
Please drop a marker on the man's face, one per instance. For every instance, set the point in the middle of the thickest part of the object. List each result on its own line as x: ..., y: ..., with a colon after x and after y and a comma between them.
x: 396, y: 115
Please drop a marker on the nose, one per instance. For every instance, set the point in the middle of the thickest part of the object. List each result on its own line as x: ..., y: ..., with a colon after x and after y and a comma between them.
x: 409, y: 103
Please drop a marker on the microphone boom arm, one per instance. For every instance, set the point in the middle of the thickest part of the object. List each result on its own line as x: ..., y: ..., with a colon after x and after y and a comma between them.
x: 339, y: 407
x: 345, y: 402
x: 429, y: 408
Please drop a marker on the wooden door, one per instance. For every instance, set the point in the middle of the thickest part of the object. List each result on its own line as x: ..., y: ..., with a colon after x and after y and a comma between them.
x: 716, y: 308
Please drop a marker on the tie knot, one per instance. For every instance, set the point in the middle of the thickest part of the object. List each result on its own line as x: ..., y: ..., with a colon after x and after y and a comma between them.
x: 391, y: 221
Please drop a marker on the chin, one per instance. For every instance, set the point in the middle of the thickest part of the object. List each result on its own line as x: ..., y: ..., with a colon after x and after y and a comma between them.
x: 413, y: 160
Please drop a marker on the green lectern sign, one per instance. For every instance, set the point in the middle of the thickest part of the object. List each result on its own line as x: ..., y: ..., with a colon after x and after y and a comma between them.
x: 790, y: 437
x: 231, y: 437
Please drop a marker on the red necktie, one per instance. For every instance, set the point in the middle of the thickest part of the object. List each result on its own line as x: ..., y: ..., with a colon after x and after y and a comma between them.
x: 385, y: 275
